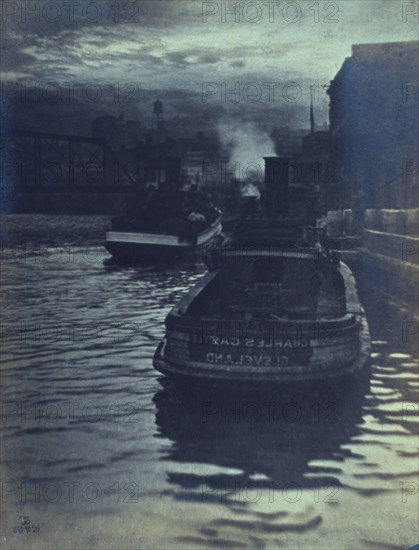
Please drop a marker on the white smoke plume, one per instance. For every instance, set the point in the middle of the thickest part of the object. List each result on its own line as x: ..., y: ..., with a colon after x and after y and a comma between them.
x: 247, y: 145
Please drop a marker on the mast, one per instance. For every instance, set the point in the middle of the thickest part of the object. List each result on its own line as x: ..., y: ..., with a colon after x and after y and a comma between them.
x: 312, y: 124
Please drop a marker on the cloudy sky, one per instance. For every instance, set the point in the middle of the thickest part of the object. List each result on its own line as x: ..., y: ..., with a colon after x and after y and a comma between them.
x: 182, y: 44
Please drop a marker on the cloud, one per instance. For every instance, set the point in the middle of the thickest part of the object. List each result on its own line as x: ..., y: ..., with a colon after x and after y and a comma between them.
x: 238, y: 64
x: 16, y: 60
x: 177, y: 59
x: 209, y: 58
x: 165, y: 45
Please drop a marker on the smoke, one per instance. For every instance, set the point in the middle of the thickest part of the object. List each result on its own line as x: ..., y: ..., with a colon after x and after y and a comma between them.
x: 246, y: 145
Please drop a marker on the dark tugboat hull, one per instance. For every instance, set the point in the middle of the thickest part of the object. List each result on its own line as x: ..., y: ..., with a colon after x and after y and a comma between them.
x: 130, y: 247
x: 228, y: 353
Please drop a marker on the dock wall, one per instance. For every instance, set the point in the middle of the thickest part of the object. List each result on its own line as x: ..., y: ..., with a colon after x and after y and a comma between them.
x: 387, y: 258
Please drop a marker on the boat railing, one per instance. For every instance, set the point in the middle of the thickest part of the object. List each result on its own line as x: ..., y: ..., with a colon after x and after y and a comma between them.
x: 191, y: 300
x: 179, y: 319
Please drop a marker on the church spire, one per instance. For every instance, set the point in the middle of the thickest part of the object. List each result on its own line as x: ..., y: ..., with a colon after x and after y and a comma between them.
x: 312, y: 124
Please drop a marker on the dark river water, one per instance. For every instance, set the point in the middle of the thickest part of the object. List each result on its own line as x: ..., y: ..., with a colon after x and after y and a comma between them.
x: 99, y: 451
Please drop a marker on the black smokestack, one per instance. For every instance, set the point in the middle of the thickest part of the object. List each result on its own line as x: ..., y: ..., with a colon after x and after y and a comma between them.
x: 276, y: 185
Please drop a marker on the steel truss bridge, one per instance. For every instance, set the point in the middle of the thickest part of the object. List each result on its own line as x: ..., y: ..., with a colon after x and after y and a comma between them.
x: 50, y: 162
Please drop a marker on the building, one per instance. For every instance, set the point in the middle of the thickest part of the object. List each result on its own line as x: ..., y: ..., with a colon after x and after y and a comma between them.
x: 116, y: 131
x: 200, y: 159
x: 374, y: 129
x: 374, y: 142
x: 317, y: 169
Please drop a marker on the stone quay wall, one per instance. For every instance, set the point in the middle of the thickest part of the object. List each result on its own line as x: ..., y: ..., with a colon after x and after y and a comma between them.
x: 388, y: 253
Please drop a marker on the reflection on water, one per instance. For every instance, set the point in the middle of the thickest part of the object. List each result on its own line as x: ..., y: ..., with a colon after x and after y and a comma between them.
x: 274, y: 439
x: 100, y: 451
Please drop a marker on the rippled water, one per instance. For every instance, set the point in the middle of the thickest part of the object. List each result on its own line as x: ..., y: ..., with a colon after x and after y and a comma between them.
x: 99, y: 451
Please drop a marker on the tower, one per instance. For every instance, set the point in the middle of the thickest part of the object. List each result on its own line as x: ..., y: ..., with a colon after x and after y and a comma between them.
x: 157, y: 112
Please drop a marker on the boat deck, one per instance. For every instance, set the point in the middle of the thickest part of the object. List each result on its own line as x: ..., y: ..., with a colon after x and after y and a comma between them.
x: 266, y: 291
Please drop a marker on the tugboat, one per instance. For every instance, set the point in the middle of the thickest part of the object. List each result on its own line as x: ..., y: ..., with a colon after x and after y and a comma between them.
x: 164, y: 222
x: 275, y: 307
x: 170, y: 224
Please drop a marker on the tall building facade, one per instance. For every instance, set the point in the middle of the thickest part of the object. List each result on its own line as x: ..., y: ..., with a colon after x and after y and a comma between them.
x: 374, y: 128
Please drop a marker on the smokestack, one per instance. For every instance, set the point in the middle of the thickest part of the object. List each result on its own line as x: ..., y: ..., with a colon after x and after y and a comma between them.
x: 276, y: 185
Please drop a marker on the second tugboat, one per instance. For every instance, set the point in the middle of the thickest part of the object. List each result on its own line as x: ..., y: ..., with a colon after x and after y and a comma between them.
x: 274, y: 307
x: 170, y: 224
x: 165, y: 221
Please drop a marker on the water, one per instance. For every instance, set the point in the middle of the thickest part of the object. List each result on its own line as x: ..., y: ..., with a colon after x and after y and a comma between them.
x: 99, y: 451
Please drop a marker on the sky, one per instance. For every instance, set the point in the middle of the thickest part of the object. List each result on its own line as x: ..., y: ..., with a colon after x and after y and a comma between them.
x: 187, y: 44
